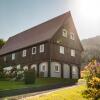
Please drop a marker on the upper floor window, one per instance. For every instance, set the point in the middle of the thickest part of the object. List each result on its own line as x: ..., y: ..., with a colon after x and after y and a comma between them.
x: 72, y: 53
x: 5, y: 58
x: 64, y: 33
x: 13, y: 56
x: 24, y: 53
x: 42, y: 48
x: 72, y: 36
x: 33, y: 50
x: 61, y: 49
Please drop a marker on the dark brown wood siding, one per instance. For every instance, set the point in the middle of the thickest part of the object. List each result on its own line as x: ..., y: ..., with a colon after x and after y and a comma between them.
x: 29, y: 58
x: 67, y: 43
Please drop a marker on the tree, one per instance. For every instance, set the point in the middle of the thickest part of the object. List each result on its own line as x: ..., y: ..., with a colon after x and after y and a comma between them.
x: 2, y: 42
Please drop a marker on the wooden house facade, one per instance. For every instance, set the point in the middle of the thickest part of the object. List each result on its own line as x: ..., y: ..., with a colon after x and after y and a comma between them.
x: 52, y: 48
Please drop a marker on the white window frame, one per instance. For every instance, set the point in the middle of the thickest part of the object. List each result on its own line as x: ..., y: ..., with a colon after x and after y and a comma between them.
x: 43, y: 69
x: 34, y: 66
x: 24, y: 53
x: 64, y: 33
x: 72, y: 36
x: 33, y: 49
x: 41, y: 48
x: 62, y: 50
x: 13, y: 56
x: 57, y: 68
x: 72, y: 52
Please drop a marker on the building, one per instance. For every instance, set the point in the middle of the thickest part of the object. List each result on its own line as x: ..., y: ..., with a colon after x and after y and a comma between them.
x: 53, y: 48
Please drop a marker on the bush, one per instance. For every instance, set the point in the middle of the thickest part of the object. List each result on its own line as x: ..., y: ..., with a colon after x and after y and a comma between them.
x: 30, y: 76
x: 94, y: 94
x: 93, y: 90
x: 92, y: 76
x: 41, y: 74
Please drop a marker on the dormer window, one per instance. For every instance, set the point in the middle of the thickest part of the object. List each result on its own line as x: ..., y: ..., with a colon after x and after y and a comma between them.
x: 33, y: 50
x: 24, y: 53
x: 13, y: 56
x: 64, y: 33
x: 72, y: 36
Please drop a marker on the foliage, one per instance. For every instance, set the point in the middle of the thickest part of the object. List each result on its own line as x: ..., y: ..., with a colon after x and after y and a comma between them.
x: 41, y: 74
x: 91, y: 49
x: 2, y: 42
x: 92, y: 76
x: 1, y: 73
x: 30, y: 76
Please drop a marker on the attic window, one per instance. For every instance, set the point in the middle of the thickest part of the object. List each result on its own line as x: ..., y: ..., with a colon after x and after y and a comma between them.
x: 61, y: 49
x: 72, y: 36
x: 64, y: 33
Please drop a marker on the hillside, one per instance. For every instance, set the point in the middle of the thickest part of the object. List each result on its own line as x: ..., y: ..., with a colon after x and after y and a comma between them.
x: 91, y: 49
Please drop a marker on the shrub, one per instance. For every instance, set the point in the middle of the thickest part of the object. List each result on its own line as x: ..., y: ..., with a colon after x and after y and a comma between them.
x: 30, y: 76
x: 41, y: 74
x: 92, y: 76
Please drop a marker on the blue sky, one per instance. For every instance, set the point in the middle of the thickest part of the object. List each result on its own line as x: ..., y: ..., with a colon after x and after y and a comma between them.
x: 19, y: 15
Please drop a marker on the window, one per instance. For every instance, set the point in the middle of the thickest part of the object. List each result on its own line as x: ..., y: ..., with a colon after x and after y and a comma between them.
x: 72, y: 36
x: 5, y: 58
x: 13, y: 56
x: 64, y: 33
x: 34, y: 50
x: 56, y: 68
x: 25, y: 67
x: 24, y: 53
x: 72, y: 53
x: 42, y: 48
x: 34, y: 66
x: 74, y: 72
x: 43, y: 68
x: 61, y: 49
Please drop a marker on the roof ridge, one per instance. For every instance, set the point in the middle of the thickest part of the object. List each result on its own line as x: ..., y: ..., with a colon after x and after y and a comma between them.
x: 41, y: 23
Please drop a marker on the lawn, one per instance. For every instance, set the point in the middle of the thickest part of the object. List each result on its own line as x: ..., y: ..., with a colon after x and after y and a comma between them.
x: 8, y: 85
x: 62, y: 94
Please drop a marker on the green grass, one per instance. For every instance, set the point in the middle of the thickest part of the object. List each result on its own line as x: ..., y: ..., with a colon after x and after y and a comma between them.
x: 73, y: 93
x: 7, y: 85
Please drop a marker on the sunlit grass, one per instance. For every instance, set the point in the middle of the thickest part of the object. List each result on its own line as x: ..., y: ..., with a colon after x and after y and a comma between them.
x: 73, y: 93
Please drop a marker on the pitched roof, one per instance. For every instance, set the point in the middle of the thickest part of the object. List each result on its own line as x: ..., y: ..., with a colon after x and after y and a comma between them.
x: 37, y: 34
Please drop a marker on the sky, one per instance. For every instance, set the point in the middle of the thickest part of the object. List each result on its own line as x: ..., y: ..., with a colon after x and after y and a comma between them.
x: 19, y: 15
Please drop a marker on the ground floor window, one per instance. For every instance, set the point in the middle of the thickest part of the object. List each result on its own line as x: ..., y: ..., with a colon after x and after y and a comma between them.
x: 57, y: 68
x: 25, y: 67
x: 34, y: 66
x: 66, y: 71
x: 75, y: 72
